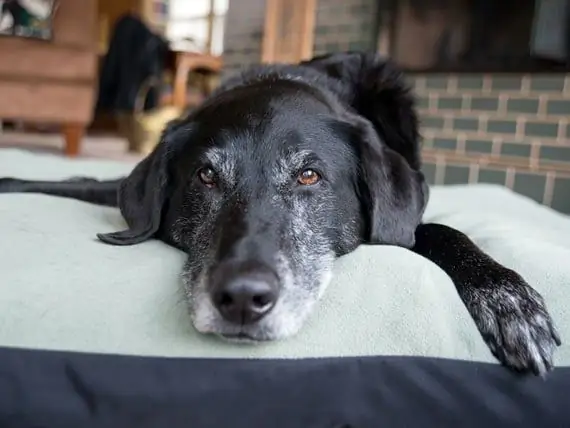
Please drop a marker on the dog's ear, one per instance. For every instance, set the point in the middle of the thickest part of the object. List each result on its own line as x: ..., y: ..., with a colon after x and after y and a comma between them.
x: 376, y: 89
x: 385, y: 131
x: 394, y: 195
x: 142, y: 194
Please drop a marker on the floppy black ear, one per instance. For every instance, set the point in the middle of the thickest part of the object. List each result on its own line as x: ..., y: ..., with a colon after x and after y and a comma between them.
x: 375, y: 88
x: 393, y: 194
x: 143, y: 193
x: 394, y: 191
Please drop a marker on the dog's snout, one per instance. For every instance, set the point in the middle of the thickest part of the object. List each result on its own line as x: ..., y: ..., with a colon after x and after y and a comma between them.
x: 246, y: 298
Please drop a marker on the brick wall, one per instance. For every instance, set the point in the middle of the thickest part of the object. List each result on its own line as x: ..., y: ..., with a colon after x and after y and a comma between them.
x: 507, y: 129
x: 243, y: 34
x: 343, y: 25
x: 339, y: 25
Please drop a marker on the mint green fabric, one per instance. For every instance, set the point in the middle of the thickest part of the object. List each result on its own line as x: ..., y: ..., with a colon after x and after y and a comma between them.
x: 62, y: 289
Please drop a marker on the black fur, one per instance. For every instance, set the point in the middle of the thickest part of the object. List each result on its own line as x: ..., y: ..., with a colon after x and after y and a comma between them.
x: 351, y: 119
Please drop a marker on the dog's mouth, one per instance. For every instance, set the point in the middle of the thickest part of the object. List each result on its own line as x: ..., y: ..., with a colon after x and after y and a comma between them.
x: 242, y: 338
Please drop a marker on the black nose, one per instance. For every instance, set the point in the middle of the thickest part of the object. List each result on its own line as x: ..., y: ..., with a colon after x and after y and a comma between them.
x: 247, y: 297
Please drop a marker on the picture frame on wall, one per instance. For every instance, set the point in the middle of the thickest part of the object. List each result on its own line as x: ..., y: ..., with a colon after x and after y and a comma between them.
x: 27, y: 18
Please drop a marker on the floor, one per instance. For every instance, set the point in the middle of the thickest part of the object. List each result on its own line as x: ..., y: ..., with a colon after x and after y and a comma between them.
x: 104, y: 146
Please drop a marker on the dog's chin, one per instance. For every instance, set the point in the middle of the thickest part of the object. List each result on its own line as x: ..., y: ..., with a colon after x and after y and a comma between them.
x: 243, y: 338
x: 280, y: 324
x: 249, y: 334
x: 285, y: 320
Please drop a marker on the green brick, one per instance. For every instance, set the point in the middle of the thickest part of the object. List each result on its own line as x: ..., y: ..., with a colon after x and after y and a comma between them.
x: 449, y: 103
x: 484, y: 103
x: 429, y: 172
x: 515, y: 149
x: 541, y: 129
x: 437, y: 82
x: 367, y: 20
x: 411, y: 80
x: 553, y: 83
x: 502, y: 126
x: 465, y: 124
x: 456, y: 175
x: 322, y: 30
x: 480, y: 146
x: 508, y: 83
x: 342, y: 29
x: 522, y: 105
x: 492, y: 176
x: 558, y: 107
x: 433, y: 122
x: 555, y: 153
x: 560, y: 199
x: 427, y: 142
x: 332, y: 47
x: 445, y: 143
x: 359, y: 8
x: 362, y: 45
x: 531, y: 185
x: 470, y: 82
x: 422, y: 102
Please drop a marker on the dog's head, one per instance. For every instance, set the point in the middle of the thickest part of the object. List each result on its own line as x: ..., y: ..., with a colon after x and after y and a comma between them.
x: 264, y: 186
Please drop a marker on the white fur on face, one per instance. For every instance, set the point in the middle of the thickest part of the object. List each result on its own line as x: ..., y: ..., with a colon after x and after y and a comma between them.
x: 295, y: 304
x: 304, y: 264
x: 222, y: 163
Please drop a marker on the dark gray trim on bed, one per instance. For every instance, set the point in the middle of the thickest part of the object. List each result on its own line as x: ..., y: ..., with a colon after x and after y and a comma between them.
x: 65, y: 389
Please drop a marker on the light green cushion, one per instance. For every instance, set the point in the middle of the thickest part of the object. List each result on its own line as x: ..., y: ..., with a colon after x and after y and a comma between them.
x: 60, y: 288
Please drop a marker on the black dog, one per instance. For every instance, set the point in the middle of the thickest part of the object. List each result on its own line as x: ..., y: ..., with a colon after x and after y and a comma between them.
x: 283, y: 169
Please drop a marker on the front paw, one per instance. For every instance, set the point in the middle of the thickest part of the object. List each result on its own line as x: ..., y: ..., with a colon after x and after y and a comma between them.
x: 513, y: 320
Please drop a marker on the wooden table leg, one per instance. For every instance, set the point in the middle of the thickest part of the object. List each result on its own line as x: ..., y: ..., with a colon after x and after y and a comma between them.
x: 180, y: 82
x: 73, y: 133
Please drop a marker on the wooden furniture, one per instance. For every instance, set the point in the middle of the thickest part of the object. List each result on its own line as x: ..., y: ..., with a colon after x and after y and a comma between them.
x: 289, y: 31
x: 186, y: 62
x: 53, y: 81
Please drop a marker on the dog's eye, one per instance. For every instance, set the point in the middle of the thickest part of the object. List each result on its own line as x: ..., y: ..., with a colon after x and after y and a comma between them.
x: 308, y: 177
x: 207, y: 176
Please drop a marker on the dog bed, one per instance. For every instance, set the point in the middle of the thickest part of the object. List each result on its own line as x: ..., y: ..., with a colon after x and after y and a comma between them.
x: 96, y: 335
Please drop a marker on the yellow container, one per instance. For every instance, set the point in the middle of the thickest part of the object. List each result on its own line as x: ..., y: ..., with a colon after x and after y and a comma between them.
x: 142, y: 128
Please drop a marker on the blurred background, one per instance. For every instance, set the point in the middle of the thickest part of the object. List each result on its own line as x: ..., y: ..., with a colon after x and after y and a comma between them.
x: 100, y: 78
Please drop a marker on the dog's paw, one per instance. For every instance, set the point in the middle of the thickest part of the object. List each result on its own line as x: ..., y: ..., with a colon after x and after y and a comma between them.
x: 513, y: 320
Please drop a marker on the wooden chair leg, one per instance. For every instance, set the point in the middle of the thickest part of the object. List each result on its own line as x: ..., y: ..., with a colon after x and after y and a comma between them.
x: 180, y: 86
x: 73, y: 133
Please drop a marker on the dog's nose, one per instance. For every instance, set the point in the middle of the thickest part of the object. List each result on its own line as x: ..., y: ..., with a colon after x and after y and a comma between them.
x: 246, y: 298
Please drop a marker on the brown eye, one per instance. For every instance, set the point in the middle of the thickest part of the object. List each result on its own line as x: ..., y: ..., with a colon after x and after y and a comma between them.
x: 308, y: 177
x: 207, y: 176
